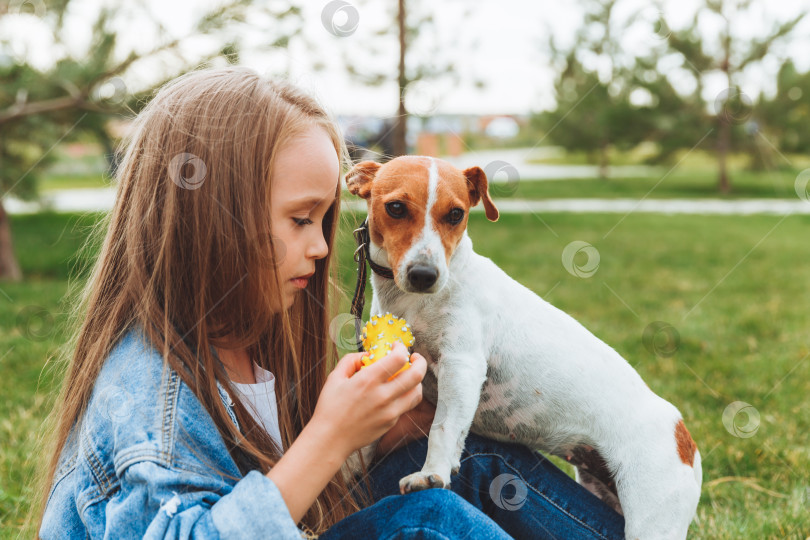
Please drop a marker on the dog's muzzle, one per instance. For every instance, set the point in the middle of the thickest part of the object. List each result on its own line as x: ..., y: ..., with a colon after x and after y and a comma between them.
x: 422, y: 277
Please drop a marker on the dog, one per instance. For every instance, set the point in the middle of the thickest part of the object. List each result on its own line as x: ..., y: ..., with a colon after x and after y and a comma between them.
x: 508, y: 365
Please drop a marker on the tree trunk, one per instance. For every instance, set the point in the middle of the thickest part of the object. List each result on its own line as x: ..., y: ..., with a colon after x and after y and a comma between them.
x: 724, y: 132
x: 9, y: 269
x: 399, y: 142
x: 603, y: 162
x: 723, y: 137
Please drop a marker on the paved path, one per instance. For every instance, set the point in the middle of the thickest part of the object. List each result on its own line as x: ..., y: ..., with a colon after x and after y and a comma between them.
x: 517, y: 158
x: 65, y: 200
x: 101, y: 199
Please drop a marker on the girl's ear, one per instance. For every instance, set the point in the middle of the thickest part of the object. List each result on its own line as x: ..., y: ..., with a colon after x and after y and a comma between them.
x: 479, y: 190
x: 359, y: 179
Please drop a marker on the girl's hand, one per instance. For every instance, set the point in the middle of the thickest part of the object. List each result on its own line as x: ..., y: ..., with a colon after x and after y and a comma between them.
x: 411, y: 426
x: 356, y: 407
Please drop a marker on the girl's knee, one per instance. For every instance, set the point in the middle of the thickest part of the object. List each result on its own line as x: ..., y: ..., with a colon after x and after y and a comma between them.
x: 428, y: 506
x: 440, y: 513
x: 436, y: 496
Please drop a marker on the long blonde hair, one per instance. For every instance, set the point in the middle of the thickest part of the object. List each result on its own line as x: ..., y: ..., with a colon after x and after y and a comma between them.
x: 189, y: 257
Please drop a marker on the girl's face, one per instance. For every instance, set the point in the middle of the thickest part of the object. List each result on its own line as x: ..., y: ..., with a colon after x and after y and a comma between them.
x: 305, y: 177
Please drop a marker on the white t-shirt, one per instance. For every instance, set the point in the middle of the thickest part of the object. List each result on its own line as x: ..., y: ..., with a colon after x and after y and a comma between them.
x: 260, y: 401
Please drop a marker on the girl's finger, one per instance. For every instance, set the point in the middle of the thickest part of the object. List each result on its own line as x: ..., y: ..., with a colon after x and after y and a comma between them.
x: 412, y: 376
x: 418, y: 368
x: 410, y: 399
x: 349, y: 364
x: 392, y: 362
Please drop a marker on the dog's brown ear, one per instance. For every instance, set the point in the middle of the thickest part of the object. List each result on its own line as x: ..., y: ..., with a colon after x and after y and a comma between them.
x: 359, y: 179
x: 479, y: 190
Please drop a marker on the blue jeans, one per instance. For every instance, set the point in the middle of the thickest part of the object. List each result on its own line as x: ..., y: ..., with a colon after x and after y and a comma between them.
x: 502, y: 490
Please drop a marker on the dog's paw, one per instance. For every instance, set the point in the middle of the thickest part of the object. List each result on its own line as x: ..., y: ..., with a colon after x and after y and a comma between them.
x: 421, y: 480
x: 455, y: 466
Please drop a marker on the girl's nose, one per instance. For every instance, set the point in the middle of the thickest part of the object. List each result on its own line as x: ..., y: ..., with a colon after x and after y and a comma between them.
x: 318, y: 249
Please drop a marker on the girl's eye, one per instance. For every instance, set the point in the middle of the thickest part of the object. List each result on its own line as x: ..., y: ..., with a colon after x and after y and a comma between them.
x: 455, y: 216
x: 302, y: 221
x: 396, y: 209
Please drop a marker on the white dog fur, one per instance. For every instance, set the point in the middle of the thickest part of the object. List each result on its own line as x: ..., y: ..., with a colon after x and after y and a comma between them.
x: 508, y: 365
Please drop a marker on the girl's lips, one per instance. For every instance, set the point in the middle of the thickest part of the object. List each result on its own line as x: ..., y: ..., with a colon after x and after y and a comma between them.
x: 301, y: 283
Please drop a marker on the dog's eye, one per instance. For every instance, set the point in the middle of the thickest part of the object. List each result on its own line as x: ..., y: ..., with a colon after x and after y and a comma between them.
x: 396, y: 209
x: 455, y: 216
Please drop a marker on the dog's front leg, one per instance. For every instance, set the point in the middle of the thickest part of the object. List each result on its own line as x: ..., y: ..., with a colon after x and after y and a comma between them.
x: 459, y: 380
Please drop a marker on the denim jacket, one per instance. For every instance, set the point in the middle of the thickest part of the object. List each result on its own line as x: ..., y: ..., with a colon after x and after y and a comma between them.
x: 147, y: 461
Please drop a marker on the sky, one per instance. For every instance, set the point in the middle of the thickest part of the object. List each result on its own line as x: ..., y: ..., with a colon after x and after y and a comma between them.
x: 500, y: 44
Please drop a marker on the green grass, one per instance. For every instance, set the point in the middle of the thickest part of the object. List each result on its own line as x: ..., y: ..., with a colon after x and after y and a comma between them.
x: 687, y: 184
x: 691, y: 175
x: 735, y: 288
x: 645, y: 153
x: 74, y: 181
x: 669, y: 183
x: 680, y: 183
x: 31, y: 329
x: 677, y: 184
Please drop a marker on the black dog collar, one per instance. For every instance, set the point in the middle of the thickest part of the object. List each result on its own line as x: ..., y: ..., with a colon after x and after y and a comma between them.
x: 361, y: 255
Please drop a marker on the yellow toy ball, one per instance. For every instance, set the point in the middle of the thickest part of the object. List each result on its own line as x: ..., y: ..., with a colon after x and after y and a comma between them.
x: 380, y: 334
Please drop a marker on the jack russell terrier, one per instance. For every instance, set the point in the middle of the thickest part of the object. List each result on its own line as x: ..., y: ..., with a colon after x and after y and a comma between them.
x: 508, y: 365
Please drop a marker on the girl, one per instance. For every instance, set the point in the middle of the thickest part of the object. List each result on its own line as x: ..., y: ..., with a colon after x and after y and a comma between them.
x: 204, y: 397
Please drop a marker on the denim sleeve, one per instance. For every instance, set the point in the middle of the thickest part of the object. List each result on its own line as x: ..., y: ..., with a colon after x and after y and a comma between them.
x: 158, y: 502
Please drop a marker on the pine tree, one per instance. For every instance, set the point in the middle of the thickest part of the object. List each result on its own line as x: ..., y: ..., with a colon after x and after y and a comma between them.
x: 76, y: 96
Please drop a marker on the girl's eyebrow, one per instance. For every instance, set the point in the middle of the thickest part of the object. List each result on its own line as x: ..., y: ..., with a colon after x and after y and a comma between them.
x: 309, y: 202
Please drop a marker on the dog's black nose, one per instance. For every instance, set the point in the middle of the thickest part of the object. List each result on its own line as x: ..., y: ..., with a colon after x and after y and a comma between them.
x: 422, y: 277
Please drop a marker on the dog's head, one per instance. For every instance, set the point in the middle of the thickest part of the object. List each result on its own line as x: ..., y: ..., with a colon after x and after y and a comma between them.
x: 418, y: 208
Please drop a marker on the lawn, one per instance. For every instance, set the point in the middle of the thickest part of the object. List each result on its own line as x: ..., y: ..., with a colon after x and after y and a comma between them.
x: 53, y: 182
x: 689, y: 175
x: 674, y: 183
x: 734, y: 289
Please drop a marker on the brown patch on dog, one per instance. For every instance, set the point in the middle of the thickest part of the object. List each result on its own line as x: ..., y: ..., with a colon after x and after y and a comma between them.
x: 452, y: 191
x: 686, y: 446
x: 407, y: 181
x: 479, y: 190
x: 360, y: 178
